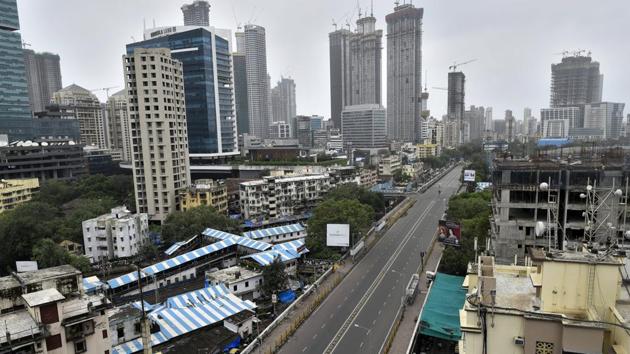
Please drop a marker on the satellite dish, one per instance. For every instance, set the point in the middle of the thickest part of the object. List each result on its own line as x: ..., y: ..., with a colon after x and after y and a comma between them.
x: 540, y: 228
x: 544, y: 186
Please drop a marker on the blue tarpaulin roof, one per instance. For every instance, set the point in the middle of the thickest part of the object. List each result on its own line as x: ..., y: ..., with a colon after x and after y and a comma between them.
x: 440, y: 314
x: 286, y: 251
x: 240, y: 240
x: 553, y: 141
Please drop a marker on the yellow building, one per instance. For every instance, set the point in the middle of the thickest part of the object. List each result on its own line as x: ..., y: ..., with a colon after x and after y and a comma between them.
x: 16, y: 191
x: 564, y: 303
x: 426, y: 150
x: 206, y: 192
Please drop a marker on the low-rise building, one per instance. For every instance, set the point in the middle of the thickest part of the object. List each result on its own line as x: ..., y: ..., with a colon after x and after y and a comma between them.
x: 273, y: 197
x: 368, y: 177
x: 46, y: 311
x: 119, y: 234
x: 564, y: 303
x: 389, y: 165
x: 206, y: 192
x: 42, y: 159
x: 242, y: 282
x: 426, y: 150
x: 16, y: 191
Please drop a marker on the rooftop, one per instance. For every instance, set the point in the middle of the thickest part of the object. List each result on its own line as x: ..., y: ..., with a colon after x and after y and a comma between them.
x: 228, y: 275
x: 18, y: 324
x: 42, y: 297
x: 40, y: 275
x: 515, y: 291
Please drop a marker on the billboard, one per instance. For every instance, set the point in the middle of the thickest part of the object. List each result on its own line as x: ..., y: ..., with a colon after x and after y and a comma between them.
x: 449, y: 232
x: 469, y: 175
x: 338, y: 235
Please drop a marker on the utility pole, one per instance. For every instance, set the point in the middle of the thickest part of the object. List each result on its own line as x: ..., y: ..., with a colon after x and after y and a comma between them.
x: 146, y: 330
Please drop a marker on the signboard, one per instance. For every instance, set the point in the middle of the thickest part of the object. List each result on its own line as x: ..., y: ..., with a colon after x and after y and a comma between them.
x: 469, y: 175
x: 338, y: 235
x: 25, y: 266
x: 449, y: 232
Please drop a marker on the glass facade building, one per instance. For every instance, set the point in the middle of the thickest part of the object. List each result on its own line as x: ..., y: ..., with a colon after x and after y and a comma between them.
x: 208, y: 85
x: 15, y: 111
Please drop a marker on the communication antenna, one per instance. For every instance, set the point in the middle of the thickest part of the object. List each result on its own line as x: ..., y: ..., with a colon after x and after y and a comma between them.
x: 334, y: 24
x: 371, y: 8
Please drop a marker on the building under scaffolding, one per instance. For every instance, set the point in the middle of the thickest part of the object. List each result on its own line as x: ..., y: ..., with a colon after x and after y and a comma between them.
x: 560, y: 199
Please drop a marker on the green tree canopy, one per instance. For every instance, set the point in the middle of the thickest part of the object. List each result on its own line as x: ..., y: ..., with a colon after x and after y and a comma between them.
x: 47, y: 253
x: 361, y: 194
x: 182, y: 225
x: 345, y: 211
x: 274, y: 277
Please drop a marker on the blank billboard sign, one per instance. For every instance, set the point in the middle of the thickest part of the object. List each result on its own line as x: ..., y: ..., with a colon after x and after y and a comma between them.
x: 338, y: 235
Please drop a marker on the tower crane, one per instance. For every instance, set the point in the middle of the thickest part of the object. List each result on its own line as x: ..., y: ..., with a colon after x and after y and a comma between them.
x: 455, y: 65
x: 106, y: 89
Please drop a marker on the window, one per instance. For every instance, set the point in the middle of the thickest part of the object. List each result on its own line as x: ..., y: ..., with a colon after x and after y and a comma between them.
x: 53, y: 342
x: 80, y: 347
x: 235, y: 287
x: 49, y: 313
x: 120, y: 332
x: 544, y: 348
x: 247, y: 284
x: 104, y: 333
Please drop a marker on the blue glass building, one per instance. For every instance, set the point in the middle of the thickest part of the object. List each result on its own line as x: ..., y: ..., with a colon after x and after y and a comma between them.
x: 15, y: 110
x: 208, y: 85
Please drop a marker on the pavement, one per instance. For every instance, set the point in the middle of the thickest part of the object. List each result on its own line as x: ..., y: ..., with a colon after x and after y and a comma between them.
x: 361, y: 310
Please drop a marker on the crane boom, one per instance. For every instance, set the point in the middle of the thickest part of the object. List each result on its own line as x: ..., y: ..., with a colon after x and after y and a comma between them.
x: 455, y: 65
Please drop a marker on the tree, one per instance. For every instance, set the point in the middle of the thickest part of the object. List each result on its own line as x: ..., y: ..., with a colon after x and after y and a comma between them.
x: 274, y: 277
x: 49, y: 254
x: 22, y: 227
x: 182, y: 225
x: 346, y: 211
x: 361, y: 194
x: 78, y: 211
x: 148, y: 251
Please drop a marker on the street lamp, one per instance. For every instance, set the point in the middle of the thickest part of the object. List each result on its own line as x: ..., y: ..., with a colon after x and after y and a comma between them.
x: 363, y: 328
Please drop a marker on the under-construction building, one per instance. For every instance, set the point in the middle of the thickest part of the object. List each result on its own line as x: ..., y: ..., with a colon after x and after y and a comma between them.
x: 575, y: 81
x: 560, y: 199
x: 456, y: 106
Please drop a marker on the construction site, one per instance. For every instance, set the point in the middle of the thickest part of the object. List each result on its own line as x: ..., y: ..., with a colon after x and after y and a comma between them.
x: 560, y: 199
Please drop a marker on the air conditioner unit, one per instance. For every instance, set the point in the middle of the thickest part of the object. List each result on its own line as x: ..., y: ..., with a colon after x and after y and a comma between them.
x: 519, y: 340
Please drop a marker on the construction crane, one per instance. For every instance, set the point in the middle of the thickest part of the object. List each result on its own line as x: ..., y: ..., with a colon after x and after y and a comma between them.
x: 106, y: 89
x: 440, y: 88
x: 455, y: 65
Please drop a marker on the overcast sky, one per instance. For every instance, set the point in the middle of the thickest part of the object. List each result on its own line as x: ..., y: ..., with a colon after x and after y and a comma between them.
x: 514, y: 42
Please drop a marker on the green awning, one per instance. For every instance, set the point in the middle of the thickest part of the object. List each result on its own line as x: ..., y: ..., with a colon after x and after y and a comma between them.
x: 440, y: 315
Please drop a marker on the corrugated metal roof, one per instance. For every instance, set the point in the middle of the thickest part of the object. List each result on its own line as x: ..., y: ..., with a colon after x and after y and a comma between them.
x: 178, y: 321
x: 286, y: 251
x: 273, y: 231
x: 198, y: 297
x: 178, y: 245
x: 170, y: 263
x: 240, y: 240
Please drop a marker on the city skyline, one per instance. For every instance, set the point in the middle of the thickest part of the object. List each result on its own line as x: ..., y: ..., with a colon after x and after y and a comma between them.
x: 303, y: 54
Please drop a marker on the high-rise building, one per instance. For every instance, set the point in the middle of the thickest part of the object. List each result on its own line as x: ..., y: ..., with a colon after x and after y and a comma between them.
x: 283, y: 101
x: 556, y: 122
x: 252, y: 43
x: 404, y: 71
x: 241, y: 100
x: 510, y: 126
x: 197, y: 13
x: 489, y: 123
x: 279, y: 130
x: 119, y: 135
x: 527, y: 115
x: 475, y: 119
x: 205, y: 53
x: 365, y: 59
x: 157, y: 114
x: 605, y: 116
x: 303, y: 131
x: 43, y: 75
x: 456, y: 106
x: 14, y: 102
x: 340, y: 92
x: 364, y: 126
x: 87, y: 109
x: 575, y: 81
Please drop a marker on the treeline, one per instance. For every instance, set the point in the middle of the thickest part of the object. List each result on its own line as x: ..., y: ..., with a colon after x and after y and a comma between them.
x: 33, y: 230
x: 346, y: 204
x: 472, y: 211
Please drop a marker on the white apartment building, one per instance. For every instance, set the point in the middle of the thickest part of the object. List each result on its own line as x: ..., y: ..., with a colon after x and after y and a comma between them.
x: 119, y: 234
x: 273, y: 197
x: 157, y: 113
x: 389, y: 165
